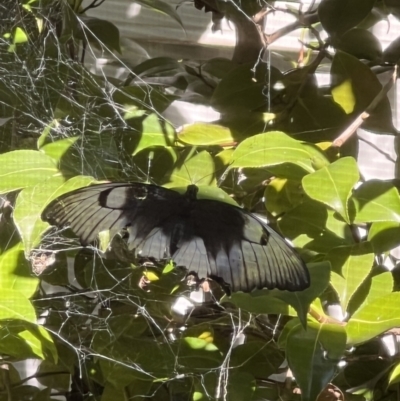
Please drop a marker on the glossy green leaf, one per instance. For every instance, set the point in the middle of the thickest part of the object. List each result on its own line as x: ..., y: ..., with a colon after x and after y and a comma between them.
x: 15, y: 272
x: 395, y: 375
x: 99, y: 32
x: 205, y: 134
x: 374, y: 318
x: 343, y: 95
x: 22, y: 168
x: 14, y: 305
x: 384, y: 236
x: 351, y: 266
x: 31, y: 202
x: 242, y: 88
x: 195, y: 168
x: 57, y: 149
x: 333, y: 185
x: 273, y: 148
x: 310, y: 217
x: 391, y: 54
x: 377, y: 201
x: 199, y: 343
x: 260, y: 301
x: 163, y: 7
x: 20, y: 35
x: 261, y: 359
x: 338, y: 16
x: 346, y: 67
x: 301, y: 300
x: 313, y: 355
x: 33, y: 342
x: 155, y: 134
x: 361, y: 43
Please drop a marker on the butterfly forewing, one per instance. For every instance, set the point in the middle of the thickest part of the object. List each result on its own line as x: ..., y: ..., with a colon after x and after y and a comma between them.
x: 207, y: 237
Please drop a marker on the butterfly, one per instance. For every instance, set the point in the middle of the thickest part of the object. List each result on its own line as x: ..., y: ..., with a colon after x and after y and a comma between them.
x: 211, y: 239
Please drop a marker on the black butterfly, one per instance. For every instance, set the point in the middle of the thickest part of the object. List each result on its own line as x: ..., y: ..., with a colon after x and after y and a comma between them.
x: 209, y: 238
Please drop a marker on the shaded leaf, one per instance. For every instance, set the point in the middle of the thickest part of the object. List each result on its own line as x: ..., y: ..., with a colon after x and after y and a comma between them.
x: 99, y: 32
x: 338, y: 16
x: 313, y: 355
x: 15, y: 272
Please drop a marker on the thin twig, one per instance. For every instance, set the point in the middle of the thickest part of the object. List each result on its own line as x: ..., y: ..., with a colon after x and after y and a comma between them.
x: 352, y: 128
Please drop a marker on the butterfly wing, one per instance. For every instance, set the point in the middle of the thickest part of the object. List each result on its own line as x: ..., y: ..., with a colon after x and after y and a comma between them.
x: 228, y: 243
x: 111, y: 206
x: 209, y: 238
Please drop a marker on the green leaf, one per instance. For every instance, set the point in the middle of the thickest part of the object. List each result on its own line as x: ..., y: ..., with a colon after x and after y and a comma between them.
x: 199, y: 343
x: 384, y: 236
x: 391, y: 55
x: 163, y: 7
x: 332, y: 185
x: 377, y: 201
x: 22, y: 168
x: 193, y: 168
x: 15, y: 272
x: 273, y: 148
x: 343, y: 95
x: 313, y: 355
x: 346, y: 67
x: 14, y: 305
x: 99, y: 32
x: 338, y: 16
x: 361, y: 43
x: 242, y: 88
x: 351, y: 266
x: 261, y: 359
x: 20, y: 36
x: 394, y: 375
x: 374, y: 317
x: 205, y: 134
x: 260, y: 301
x: 57, y: 149
x: 33, y: 342
x: 31, y: 202
x: 319, y: 280
x: 155, y: 134
x: 310, y: 218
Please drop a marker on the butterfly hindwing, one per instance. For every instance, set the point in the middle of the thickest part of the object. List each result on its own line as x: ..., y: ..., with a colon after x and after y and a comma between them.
x: 207, y: 237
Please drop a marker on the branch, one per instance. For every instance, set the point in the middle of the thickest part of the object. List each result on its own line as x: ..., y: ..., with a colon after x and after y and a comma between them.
x: 305, y: 20
x: 352, y: 128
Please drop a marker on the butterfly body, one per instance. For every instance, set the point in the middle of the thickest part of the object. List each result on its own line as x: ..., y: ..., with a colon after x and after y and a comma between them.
x: 208, y: 237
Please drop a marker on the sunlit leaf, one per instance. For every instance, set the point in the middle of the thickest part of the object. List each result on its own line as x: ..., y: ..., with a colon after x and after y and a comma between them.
x: 155, y: 133
x: 343, y: 95
x: 351, y: 264
x: 14, y: 305
x: 374, y: 318
x: 333, y: 185
x: 273, y: 148
x: 377, y: 201
x: 22, y: 168
x: 205, y: 134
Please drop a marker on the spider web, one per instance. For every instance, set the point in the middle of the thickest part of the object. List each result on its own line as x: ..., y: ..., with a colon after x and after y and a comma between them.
x: 116, y: 324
